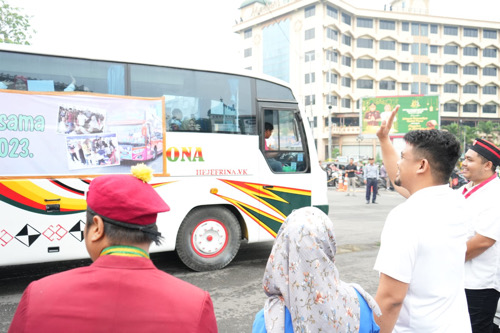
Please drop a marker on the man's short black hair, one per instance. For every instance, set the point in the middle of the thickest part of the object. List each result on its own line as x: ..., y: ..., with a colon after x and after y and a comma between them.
x: 268, y: 126
x: 118, y: 235
x: 440, y: 148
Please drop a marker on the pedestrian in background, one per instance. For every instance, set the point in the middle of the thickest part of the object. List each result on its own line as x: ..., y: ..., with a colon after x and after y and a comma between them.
x: 371, y: 175
x: 482, y: 265
x: 351, y: 175
x: 122, y: 291
x: 423, y: 242
x: 303, y: 286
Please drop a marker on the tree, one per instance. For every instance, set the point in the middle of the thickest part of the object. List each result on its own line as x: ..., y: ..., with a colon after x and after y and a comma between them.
x: 15, y: 27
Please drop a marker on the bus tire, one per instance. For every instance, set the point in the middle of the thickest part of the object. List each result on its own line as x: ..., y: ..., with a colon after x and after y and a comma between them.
x: 208, y: 239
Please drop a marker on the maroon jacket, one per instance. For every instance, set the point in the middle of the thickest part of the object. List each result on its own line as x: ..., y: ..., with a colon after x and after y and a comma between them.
x: 114, y: 294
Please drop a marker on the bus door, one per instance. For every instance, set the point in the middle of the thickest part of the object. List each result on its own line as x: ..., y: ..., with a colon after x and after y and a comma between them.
x: 285, y: 164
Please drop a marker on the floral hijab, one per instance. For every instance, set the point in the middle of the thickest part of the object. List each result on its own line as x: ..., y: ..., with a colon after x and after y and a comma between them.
x: 301, y: 275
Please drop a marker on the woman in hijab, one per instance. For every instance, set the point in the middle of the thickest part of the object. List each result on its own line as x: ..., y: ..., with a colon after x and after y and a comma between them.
x: 305, y: 293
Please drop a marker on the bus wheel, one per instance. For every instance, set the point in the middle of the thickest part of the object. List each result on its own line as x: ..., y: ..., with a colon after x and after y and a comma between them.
x: 208, y: 239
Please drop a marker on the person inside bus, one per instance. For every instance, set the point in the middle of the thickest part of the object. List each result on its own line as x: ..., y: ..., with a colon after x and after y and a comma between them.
x: 274, y: 164
x: 122, y: 290
x: 20, y: 83
x: 175, y: 123
x: 303, y: 287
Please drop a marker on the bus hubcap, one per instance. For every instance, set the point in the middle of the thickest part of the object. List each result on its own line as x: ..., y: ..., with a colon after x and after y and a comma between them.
x: 209, y: 238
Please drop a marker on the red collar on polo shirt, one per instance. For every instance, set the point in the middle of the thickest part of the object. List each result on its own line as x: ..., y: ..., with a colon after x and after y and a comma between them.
x: 468, y: 193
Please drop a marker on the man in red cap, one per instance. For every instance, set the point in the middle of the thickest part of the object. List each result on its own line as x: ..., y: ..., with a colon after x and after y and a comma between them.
x: 482, y: 265
x: 122, y: 291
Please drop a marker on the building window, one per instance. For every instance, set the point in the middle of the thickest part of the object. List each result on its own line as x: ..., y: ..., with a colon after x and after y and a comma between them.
x: 387, y: 85
x: 434, y: 88
x: 450, y: 30
x: 332, y: 12
x: 248, y: 33
x: 346, y: 103
x: 414, y: 29
x: 490, y: 90
x: 450, y: 107
x: 490, y: 108
x: 332, y: 100
x: 414, y: 68
x: 405, y: 66
x: 315, y: 121
x: 247, y: 53
x: 364, y: 63
x: 490, y: 52
x: 310, y: 56
x: 387, y: 25
x: 470, y: 70
x: 424, y: 88
x: 405, y: 26
x: 310, y: 11
x: 470, y: 51
x: 346, y: 61
x: 490, y: 71
x: 414, y: 88
x: 470, y: 89
x: 405, y: 86
x: 470, y: 32
x: 346, y: 40
x: 364, y: 84
x: 346, y: 82
x: 434, y: 68
x: 346, y: 19
x: 434, y: 29
x: 491, y: 34
x: 332, y: 34
x: 434, y: 48
x: 309, y: 34
x: 366, y: 43
x: 424, y: 69
x: 451, y: 49
x: 332, y: 78
x: 450, y: 69
x: 405, y: 47
x: 310, y: 100
x: 414, y: 48
x: 310, y: 78
x: 387, y: 45
x: 471, y: 107
x: 332, y: 56
x: 451, y: 88
x: 363, y: 22
x: 387, y: 64
x: 424, y: 49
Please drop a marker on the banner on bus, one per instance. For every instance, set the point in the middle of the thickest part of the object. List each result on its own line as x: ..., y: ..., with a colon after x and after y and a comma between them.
x: 415, y: 113
x: 61, y: 134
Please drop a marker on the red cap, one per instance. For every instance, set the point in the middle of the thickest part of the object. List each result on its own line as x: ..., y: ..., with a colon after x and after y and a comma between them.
x: 126, y: 199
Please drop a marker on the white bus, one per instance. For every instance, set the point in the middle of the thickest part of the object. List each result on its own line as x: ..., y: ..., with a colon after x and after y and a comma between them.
x: 65, y: 120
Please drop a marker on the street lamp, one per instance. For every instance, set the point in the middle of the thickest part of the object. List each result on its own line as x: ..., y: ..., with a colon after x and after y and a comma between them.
x: 359, y: 139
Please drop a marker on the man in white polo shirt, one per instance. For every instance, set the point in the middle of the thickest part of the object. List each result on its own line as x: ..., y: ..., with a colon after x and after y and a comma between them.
x: 423, y: 242
x: 482, y: 265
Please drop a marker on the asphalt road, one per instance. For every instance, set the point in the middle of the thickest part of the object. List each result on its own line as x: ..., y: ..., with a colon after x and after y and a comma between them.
x: 236, y: 291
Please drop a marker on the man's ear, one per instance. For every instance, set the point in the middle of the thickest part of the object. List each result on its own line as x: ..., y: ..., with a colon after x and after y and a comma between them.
x: 424, y: 166
x: 96, y: 229
x: 488, y: 165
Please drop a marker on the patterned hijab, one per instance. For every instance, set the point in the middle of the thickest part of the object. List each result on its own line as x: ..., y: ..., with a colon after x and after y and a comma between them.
x: 301, y: 275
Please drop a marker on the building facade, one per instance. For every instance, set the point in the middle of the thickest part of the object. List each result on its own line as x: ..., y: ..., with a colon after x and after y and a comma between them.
x: 334, y: 54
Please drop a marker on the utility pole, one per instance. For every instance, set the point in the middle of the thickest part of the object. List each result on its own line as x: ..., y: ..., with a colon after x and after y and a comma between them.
x: 330, y: 131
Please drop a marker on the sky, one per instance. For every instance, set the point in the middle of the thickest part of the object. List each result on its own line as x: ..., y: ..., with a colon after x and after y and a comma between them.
x: 198, y: 31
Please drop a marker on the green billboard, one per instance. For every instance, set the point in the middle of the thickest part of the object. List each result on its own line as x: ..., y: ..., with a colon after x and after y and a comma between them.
x: 415, y: 113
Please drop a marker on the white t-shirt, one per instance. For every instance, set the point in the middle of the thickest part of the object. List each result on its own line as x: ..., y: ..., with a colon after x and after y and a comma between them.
x: 483, y: 271
x: 423, y: 244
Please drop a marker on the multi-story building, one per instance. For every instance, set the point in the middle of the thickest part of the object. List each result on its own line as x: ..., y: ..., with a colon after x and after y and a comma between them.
x: 334, y: 54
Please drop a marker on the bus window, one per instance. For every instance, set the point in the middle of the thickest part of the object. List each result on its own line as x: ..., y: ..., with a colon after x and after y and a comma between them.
x: 45, y: 73
x: 284, y: 147
x: 196, y: 100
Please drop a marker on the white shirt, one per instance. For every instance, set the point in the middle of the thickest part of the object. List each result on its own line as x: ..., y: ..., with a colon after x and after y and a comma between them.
x: 424, y: 244
x: 483, y: 271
